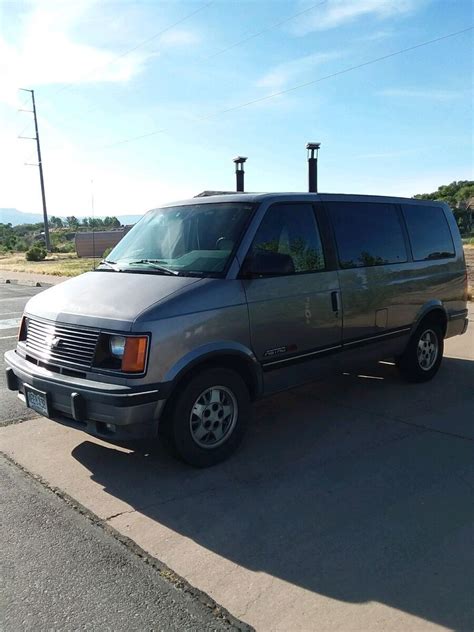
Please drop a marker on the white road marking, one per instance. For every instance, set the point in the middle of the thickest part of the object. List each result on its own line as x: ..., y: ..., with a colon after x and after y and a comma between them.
x: 7, y: 337
x: 9, y: 323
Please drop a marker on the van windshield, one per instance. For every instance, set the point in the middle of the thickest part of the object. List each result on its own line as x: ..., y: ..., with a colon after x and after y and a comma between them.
x: 186, y: 240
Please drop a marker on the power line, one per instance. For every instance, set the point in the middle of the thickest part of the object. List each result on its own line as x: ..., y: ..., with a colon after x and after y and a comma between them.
x: 265, y: 30
x: 25, y: 128
x: 224, y: 50
x: 296, y: 87
x: 68, y: 86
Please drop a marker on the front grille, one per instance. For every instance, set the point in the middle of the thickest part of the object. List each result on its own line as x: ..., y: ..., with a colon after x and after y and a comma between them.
x: 59, y: 343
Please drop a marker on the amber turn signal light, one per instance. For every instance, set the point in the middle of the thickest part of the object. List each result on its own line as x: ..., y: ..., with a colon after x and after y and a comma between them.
x: 134, y: 357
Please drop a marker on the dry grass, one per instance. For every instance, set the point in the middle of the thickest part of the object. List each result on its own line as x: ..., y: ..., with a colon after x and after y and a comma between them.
x: 57, y: 264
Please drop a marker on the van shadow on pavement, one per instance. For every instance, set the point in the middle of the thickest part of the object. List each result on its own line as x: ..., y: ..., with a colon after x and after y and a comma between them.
x: 334, y: 490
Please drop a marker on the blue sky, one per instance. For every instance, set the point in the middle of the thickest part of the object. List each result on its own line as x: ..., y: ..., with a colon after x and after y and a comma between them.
x: 400, y: 126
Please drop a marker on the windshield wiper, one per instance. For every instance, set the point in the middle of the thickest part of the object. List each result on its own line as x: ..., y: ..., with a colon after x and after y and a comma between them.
x: 111, y: 264
x: 152, y: 263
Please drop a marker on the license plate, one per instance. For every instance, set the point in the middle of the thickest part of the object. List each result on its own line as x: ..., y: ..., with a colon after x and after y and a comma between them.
x: 37, y: 400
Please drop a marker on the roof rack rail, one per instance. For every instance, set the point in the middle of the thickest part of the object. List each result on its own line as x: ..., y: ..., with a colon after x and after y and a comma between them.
x: 209, y: 193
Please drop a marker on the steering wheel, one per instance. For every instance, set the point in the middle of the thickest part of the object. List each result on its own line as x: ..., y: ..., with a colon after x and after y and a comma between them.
x: 224, y: 244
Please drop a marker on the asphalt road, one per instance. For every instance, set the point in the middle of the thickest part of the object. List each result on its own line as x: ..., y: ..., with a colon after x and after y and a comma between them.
x: 58, y: 570
x: 13, y: 299
x: 62, y: 572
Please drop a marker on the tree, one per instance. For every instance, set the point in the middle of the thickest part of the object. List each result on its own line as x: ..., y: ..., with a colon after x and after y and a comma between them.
x: 111, y: 222
x: 72, y: 222
x: 95, y: 222
x: 55, y: 222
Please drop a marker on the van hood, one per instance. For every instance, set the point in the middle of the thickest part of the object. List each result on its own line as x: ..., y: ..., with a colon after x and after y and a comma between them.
x: 107, y: 300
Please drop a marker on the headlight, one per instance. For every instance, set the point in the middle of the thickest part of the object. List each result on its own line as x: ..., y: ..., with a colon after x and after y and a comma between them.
x: 117, y: 346
x: 121, y: 353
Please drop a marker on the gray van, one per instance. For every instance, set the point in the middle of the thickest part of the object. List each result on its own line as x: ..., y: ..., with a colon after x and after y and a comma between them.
x: 208, y: 304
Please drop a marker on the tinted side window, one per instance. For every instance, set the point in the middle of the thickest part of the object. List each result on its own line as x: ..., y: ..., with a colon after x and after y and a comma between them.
x: 429, y: 232
x: 291, y: 229
x: 367, y: 234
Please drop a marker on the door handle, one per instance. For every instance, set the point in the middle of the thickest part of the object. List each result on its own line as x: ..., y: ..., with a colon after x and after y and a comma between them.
x: 335, y: 301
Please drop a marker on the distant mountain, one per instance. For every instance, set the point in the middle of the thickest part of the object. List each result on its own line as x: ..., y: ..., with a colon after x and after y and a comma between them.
x: 14, y: 217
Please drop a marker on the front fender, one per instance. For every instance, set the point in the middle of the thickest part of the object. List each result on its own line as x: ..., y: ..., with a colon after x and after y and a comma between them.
x: 214, y: 351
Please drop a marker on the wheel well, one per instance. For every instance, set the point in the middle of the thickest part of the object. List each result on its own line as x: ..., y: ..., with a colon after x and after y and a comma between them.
x: 437, y: 316
x: 235, y: 363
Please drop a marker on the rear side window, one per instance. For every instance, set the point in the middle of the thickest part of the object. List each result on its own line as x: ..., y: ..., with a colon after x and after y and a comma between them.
x: 367, y: 234
x: 429, y: 232
x: 291, y: 229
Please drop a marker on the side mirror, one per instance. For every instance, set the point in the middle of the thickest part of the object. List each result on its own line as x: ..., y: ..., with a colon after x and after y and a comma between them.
x: 264, y: 263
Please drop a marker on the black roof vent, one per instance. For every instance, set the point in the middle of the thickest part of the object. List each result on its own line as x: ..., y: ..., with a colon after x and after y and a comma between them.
x: 239, y: 173
x: 313, y: 149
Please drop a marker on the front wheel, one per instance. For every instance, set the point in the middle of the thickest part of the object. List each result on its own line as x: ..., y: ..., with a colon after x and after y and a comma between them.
x: 208, y: 417
x: 422, y: 358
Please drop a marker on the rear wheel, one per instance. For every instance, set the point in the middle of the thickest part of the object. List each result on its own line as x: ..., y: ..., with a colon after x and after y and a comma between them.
x: 422, y: 357
x: 208, y: 417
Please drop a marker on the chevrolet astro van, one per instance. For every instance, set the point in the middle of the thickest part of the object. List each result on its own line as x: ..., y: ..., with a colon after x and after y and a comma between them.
x: 208, y: 304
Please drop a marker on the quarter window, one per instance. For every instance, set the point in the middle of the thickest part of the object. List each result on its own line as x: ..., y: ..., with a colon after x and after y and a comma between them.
x: 291, y: 229
x: 367, y: 234
x: 429, y: 232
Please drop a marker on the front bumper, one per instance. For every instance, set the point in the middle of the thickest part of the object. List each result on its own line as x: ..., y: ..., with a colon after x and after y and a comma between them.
x: 99, y: 408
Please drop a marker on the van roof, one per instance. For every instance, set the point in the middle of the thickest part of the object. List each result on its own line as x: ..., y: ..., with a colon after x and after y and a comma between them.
x: 298, y: 197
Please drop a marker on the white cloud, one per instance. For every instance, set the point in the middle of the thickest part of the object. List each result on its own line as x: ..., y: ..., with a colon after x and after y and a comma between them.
x: 50, y: 43
x: 282, y: 74
x: 46, y: 49
x: 430, y: 94
x: 338, y: 12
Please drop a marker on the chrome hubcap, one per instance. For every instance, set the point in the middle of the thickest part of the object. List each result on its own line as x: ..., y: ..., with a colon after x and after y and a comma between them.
x: 213, y: 416
x: 427, y: 350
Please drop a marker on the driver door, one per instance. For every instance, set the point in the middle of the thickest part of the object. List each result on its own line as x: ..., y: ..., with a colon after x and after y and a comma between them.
x: 294, y: 311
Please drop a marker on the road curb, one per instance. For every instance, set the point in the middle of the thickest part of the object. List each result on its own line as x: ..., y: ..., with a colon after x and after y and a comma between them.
x: 24, y: 282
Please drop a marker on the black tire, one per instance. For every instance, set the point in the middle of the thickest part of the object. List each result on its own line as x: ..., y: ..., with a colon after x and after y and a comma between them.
x: 180, y: 428
x: 417, y: 365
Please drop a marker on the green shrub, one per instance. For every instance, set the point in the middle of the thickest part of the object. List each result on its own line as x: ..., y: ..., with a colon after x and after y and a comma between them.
x: 107, y: 253
x: 21, y: 245
x: 36, y: 253
x: 67, y: 246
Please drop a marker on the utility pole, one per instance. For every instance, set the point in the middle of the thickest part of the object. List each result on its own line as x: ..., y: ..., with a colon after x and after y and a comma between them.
x: 40, y: 165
